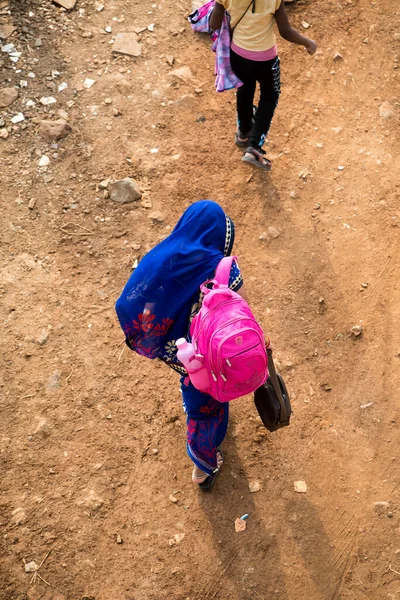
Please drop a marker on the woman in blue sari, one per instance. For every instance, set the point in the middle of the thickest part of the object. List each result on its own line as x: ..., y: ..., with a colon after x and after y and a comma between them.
x: 157, y: 306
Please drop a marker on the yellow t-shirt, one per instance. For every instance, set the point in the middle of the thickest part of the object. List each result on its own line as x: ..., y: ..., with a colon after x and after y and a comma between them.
x: 255, y: 31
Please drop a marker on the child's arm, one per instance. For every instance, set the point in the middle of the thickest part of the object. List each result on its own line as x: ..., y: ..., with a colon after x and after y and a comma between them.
x: 217, y: 16
x: 290, y: 34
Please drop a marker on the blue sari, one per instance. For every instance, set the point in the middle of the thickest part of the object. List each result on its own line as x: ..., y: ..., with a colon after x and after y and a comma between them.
x: 160, y: 299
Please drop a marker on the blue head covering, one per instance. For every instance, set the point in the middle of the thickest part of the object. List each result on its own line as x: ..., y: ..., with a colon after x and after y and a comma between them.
x: 155, y: 306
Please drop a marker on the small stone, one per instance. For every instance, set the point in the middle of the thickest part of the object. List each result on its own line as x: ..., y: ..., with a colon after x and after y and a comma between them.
x: 44, y: 161
x: 146, y: 203
x: 108, y: 29
x: 18, y: 118
x: 34, y: 593
x: 170, y: 59
x: 273, y: 232
x: 87, y: 34
x: 381, y: 507
x: 116, y: 112
x: 396, y: 36
x: 337, y: 57
x: 43, y: 337
x: 305, y: 24
x: 103, y: 185
x: 99, y: 6
x: 54, y: 130
x: 157, y: 217
x: 293, y: 194
x: 336, y: 129
x: 356, y: 331
x: 151, y: 27
x: 240, y: 525
x: 47, y: 101
x: 300, y: 487
x: 319, y: 145
x: 366, y: 41
x: 364, y: 285
x: 124, y: 191
x: 67, y: 4
x: 8, y: 95
x: 173, y: 499
x: 178, y: 537
x: 340, y: 168
x: 6, y: 31
x: 263, y: 236
x: 43, y: 429
x: 38, y: 42
x: 386, y: 110
x: 254, y: 486
x: 119, y: 539
x: 139, y: 30
x: 366, y: 405
x: 31, y: 567
x: 127, y: 43
x: 4, y: 134
x: 88, y: 83
x: 107, y: 101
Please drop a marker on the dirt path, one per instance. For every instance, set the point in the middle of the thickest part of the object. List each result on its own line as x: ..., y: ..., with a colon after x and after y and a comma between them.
x: 92, y: 439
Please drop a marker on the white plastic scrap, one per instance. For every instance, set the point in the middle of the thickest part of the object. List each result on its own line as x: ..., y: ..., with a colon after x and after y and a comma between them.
x: 18, y: 118
x: 46, y: 101
x: 88, y: 83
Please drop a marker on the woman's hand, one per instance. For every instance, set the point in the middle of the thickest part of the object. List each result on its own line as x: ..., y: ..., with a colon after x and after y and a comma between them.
x: 310, y: 46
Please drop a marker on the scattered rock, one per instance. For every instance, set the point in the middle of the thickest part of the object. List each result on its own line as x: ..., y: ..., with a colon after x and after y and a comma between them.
x: 305, y: 24
x: 18, y: 516
x: 43, y: 337
x: 8, y: 95
x: 31, y: 567
x: 108, y: 101
x: 43, y: 429
x: 54, y: 381
x: 54, y: 130
x: 300, y: 487
x: 336, y: 129
x: 4, y: 134
x: 92, y: 501
x: 386, y: 110
x: 157, y: 217
x: 6, y: 31
x: 124, y: 191
x: 18, y: 118
x: 240, y: 525
x: 119, y: 539
x: 38, y: 42
x: 44, y: 161
x: 127, y: 43
x: 178, y: 537
x: 173, y: 498
x: 87, y: 34
x: 254, y: 486
x: 87, y: 84
x: 273, y: 233
x: 32, y: 203
x: 381, y: 507
x: 146, y: 203
x: 47, y: 100
x: 170, y: 59
x: 293, y: 194
x: 103, y: 185
x: 67, y: 4
x: 356, y: 331
x: 337, y: 57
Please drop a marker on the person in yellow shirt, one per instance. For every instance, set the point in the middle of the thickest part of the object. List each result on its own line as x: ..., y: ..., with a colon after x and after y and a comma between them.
x: 254, y: 58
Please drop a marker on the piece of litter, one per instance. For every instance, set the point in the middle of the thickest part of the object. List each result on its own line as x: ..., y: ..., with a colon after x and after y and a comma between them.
x: 300, y: 487
x: 173, y: 499
x: 367, y: 405
x: 244, y: 517
x: 254, y: 486
x: 88, y: 83
x: 62, y: 86
x: 18, y: 118
x: 154, y: 151
x: 240, y: 525
x: 44, y: 161
x: 46, y: 101
x: 31, y: 567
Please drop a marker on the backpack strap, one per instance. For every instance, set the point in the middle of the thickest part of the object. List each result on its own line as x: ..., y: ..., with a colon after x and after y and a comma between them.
x: 223, y: 270
x: 275, y: 384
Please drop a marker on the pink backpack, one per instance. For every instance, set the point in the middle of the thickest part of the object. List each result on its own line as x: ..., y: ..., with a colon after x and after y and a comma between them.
x: 228, y: 339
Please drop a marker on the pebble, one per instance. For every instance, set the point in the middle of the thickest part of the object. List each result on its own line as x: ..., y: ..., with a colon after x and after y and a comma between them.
x: 103, y: 185
x: 396, y: 36
x: 273, y: 232
x: 337, y: 57
x: 107, y: 101
x: 31, y: 567
x: 157, y: 217
x: 381, y: 507
x: 173, y: 499
x: 18, y: 118
x: 124, y: 191
x: 146, y: 203
x: 254, y: 486
x: 44, y: 161
x: 305, y: 24
x: 300, y: 487
x: 32, y: 203
x: 366, y: 405
x: 67, y: 4
x: 356, y: 331
x: 170, y: 59
x: 47, y: 100
x: 54, y: 130
x: 8, y: 95
x: 386, y: 110
x: 293, y: 194
x: 88, y: 83
x: 87, y: 34
x: 38, y: 42
x: 4, y: 134
x: 43, y: 337
x: 119, y: 539
x: 127, y: 43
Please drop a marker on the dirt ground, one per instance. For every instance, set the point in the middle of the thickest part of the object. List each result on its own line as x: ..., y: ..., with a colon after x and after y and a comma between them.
x: 93, y: 437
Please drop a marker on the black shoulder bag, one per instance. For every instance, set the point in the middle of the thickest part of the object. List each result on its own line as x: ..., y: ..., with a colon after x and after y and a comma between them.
x: 272, y: 399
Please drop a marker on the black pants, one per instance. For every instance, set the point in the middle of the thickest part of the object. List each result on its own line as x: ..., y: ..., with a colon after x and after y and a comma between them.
x: 267, y: 73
